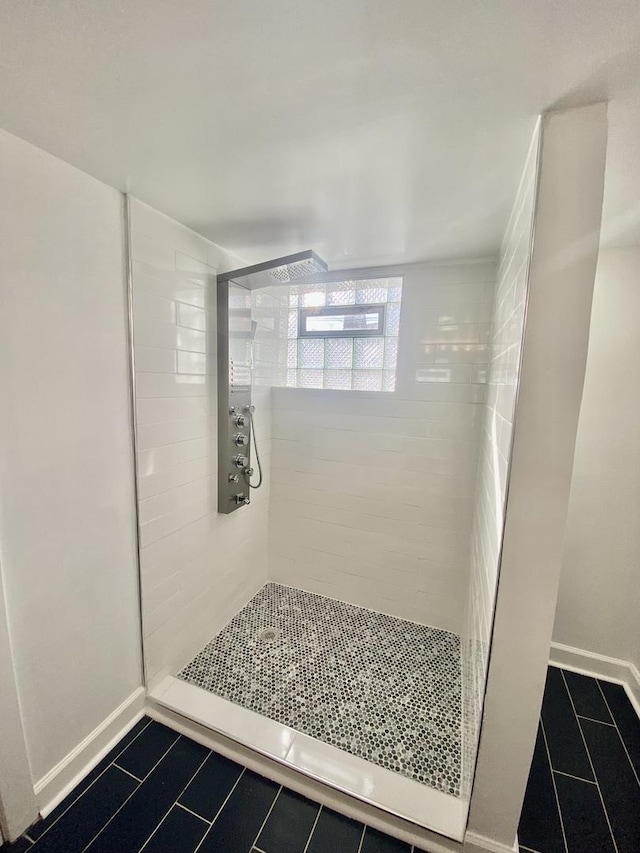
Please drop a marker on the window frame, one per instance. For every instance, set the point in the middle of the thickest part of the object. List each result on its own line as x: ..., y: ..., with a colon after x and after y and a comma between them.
x: 379, y: 308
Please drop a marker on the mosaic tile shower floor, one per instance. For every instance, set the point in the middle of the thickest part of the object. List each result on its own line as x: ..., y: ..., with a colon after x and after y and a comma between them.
x: 381, y: 688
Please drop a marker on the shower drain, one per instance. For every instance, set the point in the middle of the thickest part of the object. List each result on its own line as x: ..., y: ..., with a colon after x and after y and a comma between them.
x: 268, y: 635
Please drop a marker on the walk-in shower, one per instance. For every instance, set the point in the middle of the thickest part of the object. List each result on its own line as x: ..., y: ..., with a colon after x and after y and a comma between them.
x: 336, y: 619
x: 236, y: 332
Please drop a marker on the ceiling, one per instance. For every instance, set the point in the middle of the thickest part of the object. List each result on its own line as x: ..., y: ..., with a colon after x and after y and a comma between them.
x: 373, y: 131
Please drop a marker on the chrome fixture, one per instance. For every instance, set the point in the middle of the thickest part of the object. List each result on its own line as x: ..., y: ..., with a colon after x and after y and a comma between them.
x: 236, y: 331
x: 280, y: 271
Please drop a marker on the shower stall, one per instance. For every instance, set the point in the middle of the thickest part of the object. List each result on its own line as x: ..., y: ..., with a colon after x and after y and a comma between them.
x: 322, y: 462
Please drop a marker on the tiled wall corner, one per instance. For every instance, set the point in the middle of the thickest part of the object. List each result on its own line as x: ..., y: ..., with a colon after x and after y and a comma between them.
x: 372, y: 492
x: 506, y: 342
x: 198, y: 567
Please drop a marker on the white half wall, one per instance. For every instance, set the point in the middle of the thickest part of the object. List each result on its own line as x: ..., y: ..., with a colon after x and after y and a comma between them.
x: 372, y: 492
x: 562, y: 271
x: 67, y: 522
x: 599, y: 600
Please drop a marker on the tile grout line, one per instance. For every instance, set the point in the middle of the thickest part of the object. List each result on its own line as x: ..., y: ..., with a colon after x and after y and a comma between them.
x: 185, y: 809
x: 226, y: 800
x: 313, y: 829
x: 619, y: 733
x: 192, y: 777
x: 592, y: 720
x: 88, y: 788
x: 364, y: 829
x: 86, y: 847
x: 263, y: 824
x: 584, y: 741
x: 113, y: 764
x: 571, y: 776
x: 553, y: 782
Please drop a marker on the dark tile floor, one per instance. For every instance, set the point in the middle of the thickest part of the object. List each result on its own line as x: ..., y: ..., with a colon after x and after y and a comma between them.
x: 162, y: 793
x: 583, y: 794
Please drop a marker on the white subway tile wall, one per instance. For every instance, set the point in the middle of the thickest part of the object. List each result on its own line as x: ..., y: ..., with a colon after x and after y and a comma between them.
x: 198, y: 567
x: 372, y: 493
x: 507, y: 330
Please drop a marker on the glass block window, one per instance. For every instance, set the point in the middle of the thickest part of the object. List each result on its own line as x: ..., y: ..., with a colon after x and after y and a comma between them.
x: 344, y: 335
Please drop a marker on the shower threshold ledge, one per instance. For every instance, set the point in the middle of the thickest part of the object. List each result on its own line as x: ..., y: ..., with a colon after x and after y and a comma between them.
x: 362, y: 701
x: 398, y: 795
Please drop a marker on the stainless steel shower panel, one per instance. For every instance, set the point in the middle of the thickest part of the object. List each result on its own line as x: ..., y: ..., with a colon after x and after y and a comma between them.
x: 235, y: 363
x: 234, y: 395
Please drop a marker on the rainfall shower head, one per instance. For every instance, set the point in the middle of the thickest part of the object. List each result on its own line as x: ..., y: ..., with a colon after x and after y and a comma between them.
x: 284, y: 270
x: 295, y: 269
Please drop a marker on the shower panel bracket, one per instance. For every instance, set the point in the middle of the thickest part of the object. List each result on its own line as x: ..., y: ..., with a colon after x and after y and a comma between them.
x: 236, y: 331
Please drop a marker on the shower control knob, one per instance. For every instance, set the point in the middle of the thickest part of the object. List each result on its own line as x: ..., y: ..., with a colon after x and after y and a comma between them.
x: 240, y: 420
x: 234, y: 478
x: 249, y: 410
x: 242, y: 499
x: 241, y: 439
x: 240, y: 461
x: 248, y: 472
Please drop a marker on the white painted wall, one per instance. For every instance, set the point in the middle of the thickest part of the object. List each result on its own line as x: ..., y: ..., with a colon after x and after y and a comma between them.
x: 506, y: 344
x: 18, y: 807
x: 67, y: 534
x: 599, y: 600
x: 567, y: 230
x: 372, y: 492
x: 198, y: 567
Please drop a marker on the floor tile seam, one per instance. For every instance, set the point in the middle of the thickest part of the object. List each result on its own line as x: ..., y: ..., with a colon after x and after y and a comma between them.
x: 555, y: 789
x: 590, y: 678
x: 615, y: 723
x: 593, y: 770
x: 571, y: 776
x: 593, y: 720
x: 264, y: 822
x: 313, y: 829
x: 133, y: 776
x: 191, y: 812
x: 219, y: 812
x: 175, y: 802
x: 137, y: 788
x: 149, y: 772
x: 99, y: 776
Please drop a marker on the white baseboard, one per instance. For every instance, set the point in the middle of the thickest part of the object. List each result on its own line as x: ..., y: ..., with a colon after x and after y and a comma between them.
x: 599, y: 666
x: 475, y: 843
x: 61, y: 779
